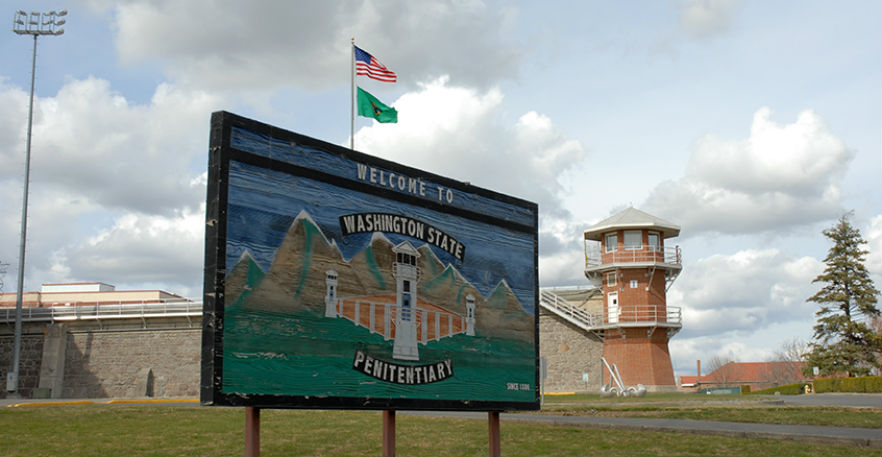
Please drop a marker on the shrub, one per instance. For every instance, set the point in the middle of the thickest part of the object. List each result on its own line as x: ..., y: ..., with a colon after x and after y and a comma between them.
x: 861, y: 384
x: 745, y: 389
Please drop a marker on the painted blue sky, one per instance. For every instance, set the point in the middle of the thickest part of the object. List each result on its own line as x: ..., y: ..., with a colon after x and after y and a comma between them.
x: 263, y: 204
x: 754, y: 125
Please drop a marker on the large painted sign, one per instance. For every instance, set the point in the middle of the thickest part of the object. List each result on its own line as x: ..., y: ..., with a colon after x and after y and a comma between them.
x: 334, y: 279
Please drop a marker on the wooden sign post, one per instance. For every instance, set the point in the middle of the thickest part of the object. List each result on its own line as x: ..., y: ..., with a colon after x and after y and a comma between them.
x: 389, y: 433
x: 493, y: 426
x: 252, y: 431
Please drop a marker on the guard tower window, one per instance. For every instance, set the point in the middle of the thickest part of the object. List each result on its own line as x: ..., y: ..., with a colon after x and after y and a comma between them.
x: 612, y: 241
x: 653, y: 238
x: 632, y: 240
x: 405, y: 258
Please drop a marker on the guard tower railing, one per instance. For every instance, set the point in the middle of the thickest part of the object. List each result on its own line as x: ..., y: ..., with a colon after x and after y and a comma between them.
x: 595, y: 256
x: 643, y: 314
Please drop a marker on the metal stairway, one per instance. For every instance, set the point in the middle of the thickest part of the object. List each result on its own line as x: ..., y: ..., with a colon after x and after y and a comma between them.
x: 573, y: 314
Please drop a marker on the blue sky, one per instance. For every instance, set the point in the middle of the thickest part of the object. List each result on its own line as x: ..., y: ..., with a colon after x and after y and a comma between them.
x: 753, y: 125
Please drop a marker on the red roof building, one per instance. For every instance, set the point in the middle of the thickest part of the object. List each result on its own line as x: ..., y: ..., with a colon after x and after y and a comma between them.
x: 757, y: 375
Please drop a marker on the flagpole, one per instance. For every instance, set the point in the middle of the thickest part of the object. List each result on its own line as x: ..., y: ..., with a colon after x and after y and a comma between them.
x: 352, y: 95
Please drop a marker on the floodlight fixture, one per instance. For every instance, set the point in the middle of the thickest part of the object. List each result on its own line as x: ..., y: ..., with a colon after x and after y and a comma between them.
x: 37, y: 23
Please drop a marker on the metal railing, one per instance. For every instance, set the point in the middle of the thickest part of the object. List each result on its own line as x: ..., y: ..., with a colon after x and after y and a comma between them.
x: 595, y: 256
x: 629, y: 316
x: 643, y: 314
x: 573, y: 314
x: 105, y: 311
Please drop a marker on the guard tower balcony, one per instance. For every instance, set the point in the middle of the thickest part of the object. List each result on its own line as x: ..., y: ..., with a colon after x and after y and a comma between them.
x: 637, y: 256
x: 599, y: 260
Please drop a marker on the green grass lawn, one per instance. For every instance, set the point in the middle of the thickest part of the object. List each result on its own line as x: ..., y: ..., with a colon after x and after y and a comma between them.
x: 160, y: 430
x: 733, y: 408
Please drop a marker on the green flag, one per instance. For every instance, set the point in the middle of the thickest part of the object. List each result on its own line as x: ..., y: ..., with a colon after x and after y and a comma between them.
x: 369, y: 106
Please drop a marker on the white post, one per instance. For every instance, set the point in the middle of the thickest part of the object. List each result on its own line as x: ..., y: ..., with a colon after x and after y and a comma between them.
x: 352, y: 95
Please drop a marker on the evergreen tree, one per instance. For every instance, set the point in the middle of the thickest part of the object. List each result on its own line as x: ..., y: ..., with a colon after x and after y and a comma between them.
x: 844, y: 340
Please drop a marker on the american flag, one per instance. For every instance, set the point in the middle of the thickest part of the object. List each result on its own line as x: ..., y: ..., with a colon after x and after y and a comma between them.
x: 368, y: 65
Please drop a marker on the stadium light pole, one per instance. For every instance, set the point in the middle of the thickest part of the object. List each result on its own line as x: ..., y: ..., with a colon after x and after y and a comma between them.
x: 34, y: 24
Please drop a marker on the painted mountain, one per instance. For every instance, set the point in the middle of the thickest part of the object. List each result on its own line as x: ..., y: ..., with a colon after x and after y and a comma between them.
x: 295, y: 281
x: 242, y: 279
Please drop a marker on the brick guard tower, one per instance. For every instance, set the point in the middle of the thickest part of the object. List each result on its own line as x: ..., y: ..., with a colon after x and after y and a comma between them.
x: 626, y: 255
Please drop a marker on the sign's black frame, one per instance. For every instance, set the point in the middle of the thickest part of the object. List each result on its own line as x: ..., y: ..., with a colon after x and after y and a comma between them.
x: 220, y: 154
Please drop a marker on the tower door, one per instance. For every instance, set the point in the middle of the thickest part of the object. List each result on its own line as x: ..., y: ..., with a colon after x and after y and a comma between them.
x: 612, y: 307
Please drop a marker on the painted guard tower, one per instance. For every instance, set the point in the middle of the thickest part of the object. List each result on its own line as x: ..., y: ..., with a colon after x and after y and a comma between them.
x: 626, y: 256
x: 406, y: 274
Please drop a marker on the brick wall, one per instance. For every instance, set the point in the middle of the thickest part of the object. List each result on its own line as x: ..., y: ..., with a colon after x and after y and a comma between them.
x: 640, y: 359
x: 159, y: 363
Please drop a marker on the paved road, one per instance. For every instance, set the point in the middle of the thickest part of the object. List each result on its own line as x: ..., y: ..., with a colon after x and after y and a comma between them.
x: 831, y: 399
x: 806, y: 433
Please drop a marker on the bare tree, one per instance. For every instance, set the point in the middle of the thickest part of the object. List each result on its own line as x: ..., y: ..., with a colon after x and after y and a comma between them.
x: 875, y: 324
x: 720, y: 370
x: 2, y: 273
x: 785, y: 365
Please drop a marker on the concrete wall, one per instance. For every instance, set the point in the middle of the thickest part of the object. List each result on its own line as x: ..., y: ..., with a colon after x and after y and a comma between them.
x: 31, y: 358
x: 569, y: 352
x: 82, y: 360
x: 149, y: 363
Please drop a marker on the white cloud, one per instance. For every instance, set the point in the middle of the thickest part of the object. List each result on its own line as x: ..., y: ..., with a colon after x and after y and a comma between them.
x: 270, y: 44
x: 744, y: 292
x: 459, y: 133
x: 704, y: 18
x: 103, y: 164
x: 89, y: 141
x: 139, y: 249
x: 780, y: 176
x: 873, y: 260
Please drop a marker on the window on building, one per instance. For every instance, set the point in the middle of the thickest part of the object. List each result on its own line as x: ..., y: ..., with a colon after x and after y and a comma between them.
x: 612, y: 242
x: 611, y: 279
x: 405, y: 258
x: 633, y: 240
x: 633, y: 283
x: 653, y: 241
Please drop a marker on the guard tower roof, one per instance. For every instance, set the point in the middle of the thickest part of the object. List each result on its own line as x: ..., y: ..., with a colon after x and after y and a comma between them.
x: 631, y: 218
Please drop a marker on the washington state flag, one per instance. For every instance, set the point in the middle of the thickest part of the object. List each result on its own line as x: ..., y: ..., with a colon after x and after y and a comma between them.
x: 370, y: 106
